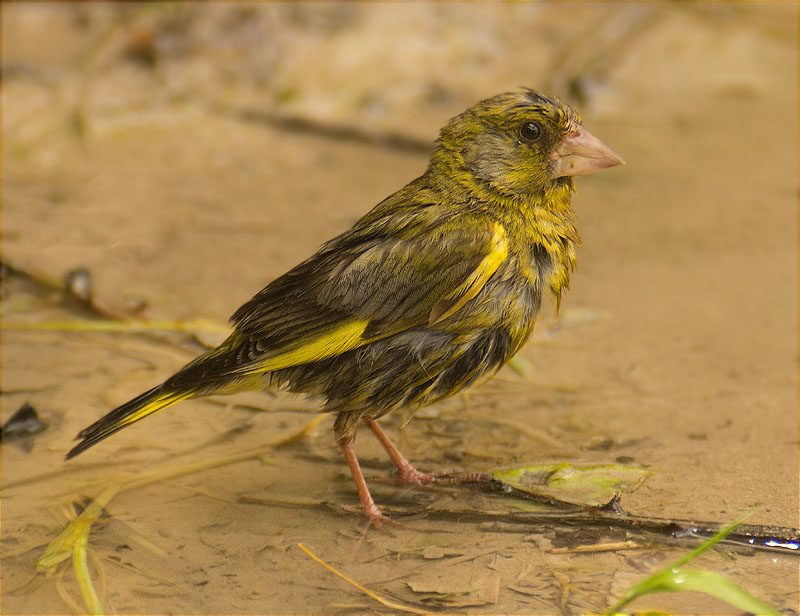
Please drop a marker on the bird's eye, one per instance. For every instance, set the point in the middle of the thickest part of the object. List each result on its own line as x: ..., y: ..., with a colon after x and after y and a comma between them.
x: 530, y: 131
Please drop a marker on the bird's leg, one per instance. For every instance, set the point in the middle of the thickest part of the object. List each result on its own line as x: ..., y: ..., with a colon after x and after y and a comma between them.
x: 405, y: 471
x: 368, y: 505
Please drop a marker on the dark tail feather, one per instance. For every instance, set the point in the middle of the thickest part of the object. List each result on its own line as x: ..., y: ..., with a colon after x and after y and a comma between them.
x: 122, y: 416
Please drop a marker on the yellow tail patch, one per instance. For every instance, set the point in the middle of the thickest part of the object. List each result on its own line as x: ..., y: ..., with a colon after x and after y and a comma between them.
x: 151, y: 407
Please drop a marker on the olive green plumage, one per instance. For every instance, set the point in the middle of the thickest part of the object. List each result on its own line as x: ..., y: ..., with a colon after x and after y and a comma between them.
x: 436, y: 286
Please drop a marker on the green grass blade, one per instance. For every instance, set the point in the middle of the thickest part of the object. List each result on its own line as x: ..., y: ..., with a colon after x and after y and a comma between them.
x: 706, y: 582
x: 675, y: 579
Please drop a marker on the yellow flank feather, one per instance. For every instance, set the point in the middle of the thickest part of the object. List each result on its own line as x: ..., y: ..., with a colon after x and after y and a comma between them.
x: 154, y: 406
x: 472, y: 285
x: 342, y: 339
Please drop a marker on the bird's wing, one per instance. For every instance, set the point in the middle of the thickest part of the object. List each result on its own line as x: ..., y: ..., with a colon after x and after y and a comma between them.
x: 364, y: 286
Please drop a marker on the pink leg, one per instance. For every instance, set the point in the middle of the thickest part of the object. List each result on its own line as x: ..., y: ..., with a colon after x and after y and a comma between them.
x: 368, y: 505
x: 405, y: 471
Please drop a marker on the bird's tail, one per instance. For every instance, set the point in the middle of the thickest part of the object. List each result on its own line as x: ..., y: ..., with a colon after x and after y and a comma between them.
x: 130, y: 412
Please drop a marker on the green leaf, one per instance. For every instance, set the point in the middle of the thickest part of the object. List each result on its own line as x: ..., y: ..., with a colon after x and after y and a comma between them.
x: 592, y: 486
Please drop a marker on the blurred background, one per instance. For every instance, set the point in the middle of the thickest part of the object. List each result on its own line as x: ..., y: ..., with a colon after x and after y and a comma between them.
x: 182, y: 155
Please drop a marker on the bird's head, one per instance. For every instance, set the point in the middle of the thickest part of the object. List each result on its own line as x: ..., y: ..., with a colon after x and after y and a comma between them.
x: 521, y: 143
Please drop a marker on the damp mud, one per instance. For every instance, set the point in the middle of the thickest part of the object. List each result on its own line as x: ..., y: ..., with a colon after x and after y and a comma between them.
x: 175, y: 158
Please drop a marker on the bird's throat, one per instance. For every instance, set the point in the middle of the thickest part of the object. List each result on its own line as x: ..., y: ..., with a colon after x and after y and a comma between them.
x: 547, y: 225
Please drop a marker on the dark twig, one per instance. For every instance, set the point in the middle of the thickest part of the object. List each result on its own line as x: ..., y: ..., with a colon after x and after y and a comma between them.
x: 297, y: 124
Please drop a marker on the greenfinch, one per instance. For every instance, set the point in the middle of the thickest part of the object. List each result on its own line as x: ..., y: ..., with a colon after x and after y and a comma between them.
x: 438, y: 285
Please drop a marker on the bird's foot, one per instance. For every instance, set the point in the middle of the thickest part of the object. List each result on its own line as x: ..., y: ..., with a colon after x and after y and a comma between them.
x: 410, y: 475
x: 375, y: 517
x: 455, y: 477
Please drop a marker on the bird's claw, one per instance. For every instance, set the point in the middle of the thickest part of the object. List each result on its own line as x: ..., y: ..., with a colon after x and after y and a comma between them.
x: 412, y: 476
x: 375, y: 518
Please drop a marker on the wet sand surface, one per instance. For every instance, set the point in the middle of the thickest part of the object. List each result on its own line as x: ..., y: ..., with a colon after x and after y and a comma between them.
x: 126, y: 152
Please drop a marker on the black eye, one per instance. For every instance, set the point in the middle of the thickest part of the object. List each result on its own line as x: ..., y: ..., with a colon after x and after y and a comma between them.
x: 530, y: 131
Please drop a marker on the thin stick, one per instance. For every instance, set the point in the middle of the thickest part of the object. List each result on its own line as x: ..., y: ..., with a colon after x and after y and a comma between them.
x: 369, y: 593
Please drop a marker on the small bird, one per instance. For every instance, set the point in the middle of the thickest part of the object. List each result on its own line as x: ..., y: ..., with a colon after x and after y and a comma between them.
x: 438, y: 285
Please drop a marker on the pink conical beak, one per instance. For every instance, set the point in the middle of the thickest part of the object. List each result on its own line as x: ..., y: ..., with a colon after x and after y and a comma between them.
x: 581, y: 153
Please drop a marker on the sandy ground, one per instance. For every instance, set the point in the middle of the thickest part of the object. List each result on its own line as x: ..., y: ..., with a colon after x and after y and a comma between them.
x: 124, y: 152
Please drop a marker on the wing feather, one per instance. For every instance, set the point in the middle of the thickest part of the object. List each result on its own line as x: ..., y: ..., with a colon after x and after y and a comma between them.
x: 365, y: 286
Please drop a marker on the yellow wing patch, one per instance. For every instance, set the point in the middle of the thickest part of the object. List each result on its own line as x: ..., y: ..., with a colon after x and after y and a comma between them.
x: 344, y: 338
x: 474, y: 283
x: 350, y: 335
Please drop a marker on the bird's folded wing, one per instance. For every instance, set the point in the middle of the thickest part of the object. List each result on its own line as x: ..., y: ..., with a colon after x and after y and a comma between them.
x: 361, y: 287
